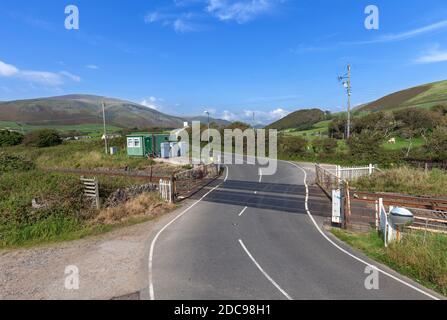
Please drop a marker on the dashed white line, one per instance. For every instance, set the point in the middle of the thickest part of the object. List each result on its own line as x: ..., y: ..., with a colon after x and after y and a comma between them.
x: 345, y: 251
x: 242, y: 212
x: 263, y: 272
x: 154, y: 241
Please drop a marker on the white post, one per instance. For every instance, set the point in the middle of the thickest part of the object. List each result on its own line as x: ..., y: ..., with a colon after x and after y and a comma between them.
x: 371, y: 169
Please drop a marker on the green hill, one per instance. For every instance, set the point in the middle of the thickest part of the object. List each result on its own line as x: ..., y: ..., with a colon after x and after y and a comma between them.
x: 424, y: 96
x: 76, y: 110
x: 299, y: 120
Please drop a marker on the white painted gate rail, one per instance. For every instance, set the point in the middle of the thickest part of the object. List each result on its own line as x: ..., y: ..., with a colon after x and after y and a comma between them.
x: 353, y: 173
x: 166, y: 190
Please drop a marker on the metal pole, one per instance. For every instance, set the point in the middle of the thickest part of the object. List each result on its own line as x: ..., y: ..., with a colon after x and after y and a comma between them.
x: 105, y: 128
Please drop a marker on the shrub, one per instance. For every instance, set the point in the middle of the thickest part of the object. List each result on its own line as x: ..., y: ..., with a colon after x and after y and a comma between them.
x: 10, y: 138
x: 43, y: 138
x: 324, y: 146
x: 14, y: 163
x: 366, y: 146
x: 292, y: 146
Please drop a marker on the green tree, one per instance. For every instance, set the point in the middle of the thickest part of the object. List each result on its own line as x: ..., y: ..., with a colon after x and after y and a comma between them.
x: 43, y: 138
x: 437, y: 144
x: 366, y: 146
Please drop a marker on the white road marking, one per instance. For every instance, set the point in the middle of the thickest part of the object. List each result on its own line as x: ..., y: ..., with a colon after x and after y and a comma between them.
x: 151, y: 252
x: 242, y: 212
x: 226, y: 175
x: 263, y: 272
x: 345, y: 251
x: 260, y: 175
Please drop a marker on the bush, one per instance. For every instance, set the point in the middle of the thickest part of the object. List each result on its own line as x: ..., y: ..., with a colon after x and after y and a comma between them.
x: 10, y: 163
x: 43, y: 138
x: 324, y: 146
x: 292, y: 146
x: 10, y: 138
x: 366, y: 146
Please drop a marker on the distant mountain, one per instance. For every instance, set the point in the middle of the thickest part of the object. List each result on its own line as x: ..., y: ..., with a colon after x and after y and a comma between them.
x: 300, y: 120
x: 86, y: 109
x: 423, y: 96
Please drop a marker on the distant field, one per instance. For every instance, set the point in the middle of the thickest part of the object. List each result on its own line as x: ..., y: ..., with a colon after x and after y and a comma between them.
x: 320, y: 128
x: 404, y: 144
x: 90, y: 129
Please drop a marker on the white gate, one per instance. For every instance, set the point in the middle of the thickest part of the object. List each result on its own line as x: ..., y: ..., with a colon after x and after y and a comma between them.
x: 353, y: 173
x: 165, y: 188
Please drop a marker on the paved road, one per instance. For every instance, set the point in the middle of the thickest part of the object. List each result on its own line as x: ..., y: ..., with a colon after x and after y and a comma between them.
x: 251, y: 237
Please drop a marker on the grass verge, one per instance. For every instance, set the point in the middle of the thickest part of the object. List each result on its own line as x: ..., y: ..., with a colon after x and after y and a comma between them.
x: 420, y: 256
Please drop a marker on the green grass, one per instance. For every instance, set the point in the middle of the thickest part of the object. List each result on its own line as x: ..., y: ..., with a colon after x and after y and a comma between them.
x: 419, y: 256
x: 87, y: 129
x: 402, y: 144
x: 407, y: 181
x: 85, y: 154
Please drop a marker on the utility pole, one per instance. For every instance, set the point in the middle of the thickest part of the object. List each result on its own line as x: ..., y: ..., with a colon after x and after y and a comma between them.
x: 208, y: 113
x: 105, y: 128
x: 346, y: 80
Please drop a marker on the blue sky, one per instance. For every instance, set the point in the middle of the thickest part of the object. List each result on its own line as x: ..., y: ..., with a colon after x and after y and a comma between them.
x: 230, y: 57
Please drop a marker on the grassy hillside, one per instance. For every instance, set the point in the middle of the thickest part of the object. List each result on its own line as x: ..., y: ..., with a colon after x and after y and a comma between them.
x: 424, y: 96
x: 299, y: 120
x: 75, y: 110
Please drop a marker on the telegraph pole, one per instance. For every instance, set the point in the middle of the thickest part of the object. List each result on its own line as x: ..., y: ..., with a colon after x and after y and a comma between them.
x: 346, y: 80
x: 105, y: 128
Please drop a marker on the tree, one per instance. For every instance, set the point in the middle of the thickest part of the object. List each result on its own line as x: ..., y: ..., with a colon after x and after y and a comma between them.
x: 10, y: 138
x: 421, y: 121
x: 366, y: 146
x: 378, y: 122
x: 43, y: 138
x: 437, y: 144
x: 337, y: 128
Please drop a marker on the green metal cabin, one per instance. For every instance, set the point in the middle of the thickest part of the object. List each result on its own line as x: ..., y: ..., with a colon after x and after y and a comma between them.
x: 145, y: 144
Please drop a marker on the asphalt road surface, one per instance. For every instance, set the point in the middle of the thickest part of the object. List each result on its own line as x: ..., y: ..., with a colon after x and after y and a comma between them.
x: 259, y: 237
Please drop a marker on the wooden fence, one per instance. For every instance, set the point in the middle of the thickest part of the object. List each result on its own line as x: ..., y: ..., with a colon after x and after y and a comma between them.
x: 430, y: 214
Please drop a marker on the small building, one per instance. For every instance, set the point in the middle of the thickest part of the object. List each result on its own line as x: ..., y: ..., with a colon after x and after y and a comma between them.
x: 145, y: 144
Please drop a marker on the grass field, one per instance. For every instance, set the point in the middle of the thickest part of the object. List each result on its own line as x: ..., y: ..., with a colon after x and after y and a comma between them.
x: 407, y: 181
x: 63, y: 214
x: 87, y: 129
x: 419, y: 256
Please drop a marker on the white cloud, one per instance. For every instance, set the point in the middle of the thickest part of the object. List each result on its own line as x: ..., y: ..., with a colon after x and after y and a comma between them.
x: 152, y: 103
x: 433, y: 56
x: 7, y: 70
x: 38, y: 77
x: 181, y: 26
x: 392, y: 37
x: 260, y: 117
x: 92, y: 66
x: 70, y: 76
x: 239, y: 11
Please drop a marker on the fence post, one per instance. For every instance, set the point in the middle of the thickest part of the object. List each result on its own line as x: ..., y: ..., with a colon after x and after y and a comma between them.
x: 371, y: 169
